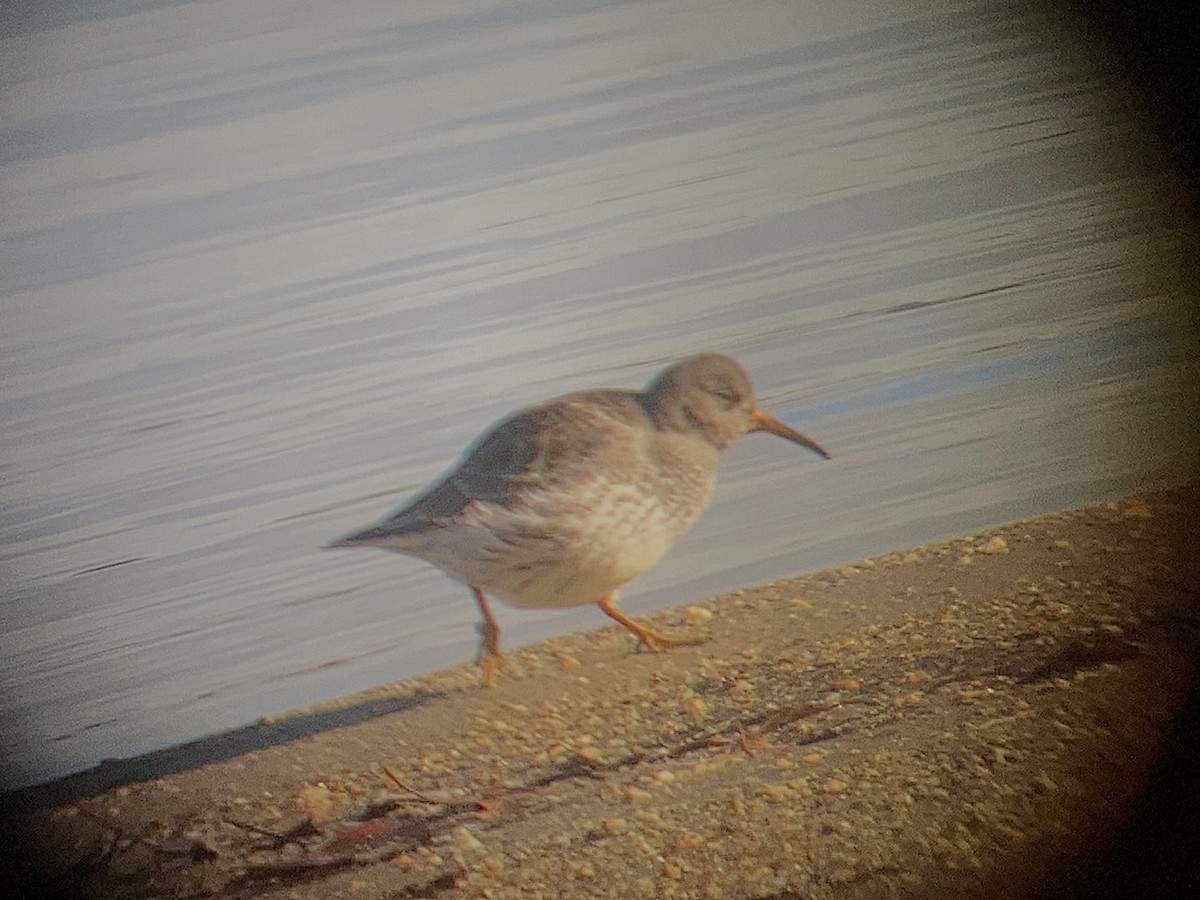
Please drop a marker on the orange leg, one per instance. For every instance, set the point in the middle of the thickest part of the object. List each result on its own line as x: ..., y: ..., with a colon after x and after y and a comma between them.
x: 489, y: 647
x: 647, y: 637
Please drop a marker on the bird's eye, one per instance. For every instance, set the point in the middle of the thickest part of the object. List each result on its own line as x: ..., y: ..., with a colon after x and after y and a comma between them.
x: 726, y: 396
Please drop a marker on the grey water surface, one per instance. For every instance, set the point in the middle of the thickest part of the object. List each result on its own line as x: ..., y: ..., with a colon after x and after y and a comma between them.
x: 267, y: 267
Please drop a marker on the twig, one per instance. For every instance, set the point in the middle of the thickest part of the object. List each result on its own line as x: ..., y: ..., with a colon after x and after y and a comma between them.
x: 452, y: 806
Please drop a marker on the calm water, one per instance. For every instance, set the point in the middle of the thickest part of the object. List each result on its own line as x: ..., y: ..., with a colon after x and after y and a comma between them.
x: 267, y: 267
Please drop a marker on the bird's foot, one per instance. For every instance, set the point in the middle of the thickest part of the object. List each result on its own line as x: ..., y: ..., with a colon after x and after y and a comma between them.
x: 653, y: 640
x: 656, y: 641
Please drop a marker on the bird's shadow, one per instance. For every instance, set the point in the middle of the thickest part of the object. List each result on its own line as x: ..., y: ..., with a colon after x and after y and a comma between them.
x: 214, y: 748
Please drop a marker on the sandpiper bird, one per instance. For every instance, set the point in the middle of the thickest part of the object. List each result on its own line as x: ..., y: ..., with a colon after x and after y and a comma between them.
x: 562, y: 503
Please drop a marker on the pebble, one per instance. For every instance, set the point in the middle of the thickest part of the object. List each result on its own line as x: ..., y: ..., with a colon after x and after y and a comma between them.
x: 616, y: 825
x: 994, y: 545
x: 315, y: 801
x: 1044, y: 784
x: 694, y: 709
x: 773, y: 792
x: 465, y: 841
x: 583, y: 868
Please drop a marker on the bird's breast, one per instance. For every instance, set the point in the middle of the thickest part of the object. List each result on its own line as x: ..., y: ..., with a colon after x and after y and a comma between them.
x: 561, y: 548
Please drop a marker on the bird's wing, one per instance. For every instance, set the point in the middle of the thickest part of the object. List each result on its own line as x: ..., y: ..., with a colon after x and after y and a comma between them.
x: 538, y: 447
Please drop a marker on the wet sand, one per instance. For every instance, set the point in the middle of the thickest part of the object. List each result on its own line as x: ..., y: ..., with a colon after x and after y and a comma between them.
x: 999, y: 715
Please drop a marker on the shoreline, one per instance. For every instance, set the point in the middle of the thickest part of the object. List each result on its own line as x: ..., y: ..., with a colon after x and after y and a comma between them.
x: 976, y: 717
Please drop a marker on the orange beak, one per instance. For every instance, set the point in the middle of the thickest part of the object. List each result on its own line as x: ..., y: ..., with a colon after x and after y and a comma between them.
x: 761, y: 421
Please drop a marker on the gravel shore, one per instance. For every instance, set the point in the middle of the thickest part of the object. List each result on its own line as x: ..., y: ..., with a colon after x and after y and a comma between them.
x: 994, y: 716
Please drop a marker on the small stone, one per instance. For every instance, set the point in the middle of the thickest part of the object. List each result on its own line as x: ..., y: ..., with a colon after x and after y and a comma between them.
x: 773, y: 792
x: 694, y: 709
x: 636, y: 795
x: 994, y: 545
x: 1044, y: 784
x: 566, y: 660
x: 813, y: 758
x: 697, y: 615
x: 493, y: 863
x: 847, y: 684
x: 800, y: 786
x: 917, y: 676
x: 315, y: 801
x: 584, y: 869
x: 616, y: 825
x: 664, y: 776
x: 834, y: 786
x: 966, y: 559
x: 465, y: 841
